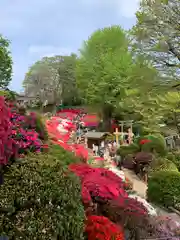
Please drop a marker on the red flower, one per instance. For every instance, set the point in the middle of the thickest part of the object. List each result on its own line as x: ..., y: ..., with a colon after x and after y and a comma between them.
x: 99, y: 182
x: 101, y: 228
x: 45, y: 146
x: 143, y: 141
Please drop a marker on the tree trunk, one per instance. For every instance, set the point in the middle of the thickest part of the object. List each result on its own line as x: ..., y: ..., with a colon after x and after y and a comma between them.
x: 106, y: 117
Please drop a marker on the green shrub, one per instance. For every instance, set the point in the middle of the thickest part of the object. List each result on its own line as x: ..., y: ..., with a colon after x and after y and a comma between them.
x: 157, y: 144
x: 175, y: 158
x: 164, y: 188
x: 41, y: 128
x: 39, y: 200
x: 163, y: 164
x: 126, y: 150
x: 9, y: 95
x: 58, y: 154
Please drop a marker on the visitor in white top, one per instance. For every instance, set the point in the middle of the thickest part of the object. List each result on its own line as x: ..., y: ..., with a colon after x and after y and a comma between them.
x: 94, y: 149
x: 102, y: 144
x: 109, y: 145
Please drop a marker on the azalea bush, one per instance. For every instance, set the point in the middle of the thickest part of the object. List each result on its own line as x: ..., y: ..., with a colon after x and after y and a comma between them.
x: 100, y: 228
x: 26, y: 138
x: 104, y: 193
x: 57, y: 155
x: 7, y: 144
x: 106, y: 201
x: 39, y: 200
x: 19, y: 133
x: 164, y: 188
x: 175, y: 158
x: 34, y: 121
x: 148, y: 143
x: 163, y: 164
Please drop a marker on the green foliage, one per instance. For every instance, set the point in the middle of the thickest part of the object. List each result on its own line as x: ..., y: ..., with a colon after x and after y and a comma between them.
x: 163, y: 164
x: 39, y: 200
x: 157, y: 34
x: 41, y: 128
x: 157, y: 144
x: 106, y: 62
x: 9, y: 95
x: 53, y: 79
x: 60, y: 155
x: 117, y: 81
x: 5, y: 63
x: 164, y: 188
x: 175, y: 158
x: 126, y: 150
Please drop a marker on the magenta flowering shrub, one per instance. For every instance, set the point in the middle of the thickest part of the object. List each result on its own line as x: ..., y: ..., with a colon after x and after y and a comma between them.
x: 27, y: 140
x: 15, y: 137
x: 35, y: 122
x: 7, y: 145
x: 25, y: 137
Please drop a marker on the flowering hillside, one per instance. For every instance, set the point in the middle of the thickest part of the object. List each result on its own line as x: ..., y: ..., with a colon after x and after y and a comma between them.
x: 111, y: 211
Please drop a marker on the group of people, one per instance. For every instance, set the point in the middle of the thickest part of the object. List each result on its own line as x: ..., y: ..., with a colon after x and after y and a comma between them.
x: 78, y: 136
x: 108, y: 149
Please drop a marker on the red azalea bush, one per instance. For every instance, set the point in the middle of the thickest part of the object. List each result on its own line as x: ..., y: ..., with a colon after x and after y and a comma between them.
x: 101, y: 228
x: 103, y: 193
x: 98, y: 183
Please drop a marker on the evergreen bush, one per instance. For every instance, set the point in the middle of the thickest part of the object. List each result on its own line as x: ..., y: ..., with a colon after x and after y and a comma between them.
x: 163, y: 164
x: 164, y: 188
x: 39, y: 200
x: 157, y: 144
x: 126, y: 150
x: 60, y: 155
x: 175, y: 158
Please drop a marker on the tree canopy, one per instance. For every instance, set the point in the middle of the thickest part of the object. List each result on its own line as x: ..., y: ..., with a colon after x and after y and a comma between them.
x: 108, y: 75
x: 157, y: 35
x: 52, y: 79
x: 5, y: 63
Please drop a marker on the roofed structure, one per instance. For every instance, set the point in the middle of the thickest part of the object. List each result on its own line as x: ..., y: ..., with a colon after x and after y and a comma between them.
x: 96, y: 138
x: 96, y: 135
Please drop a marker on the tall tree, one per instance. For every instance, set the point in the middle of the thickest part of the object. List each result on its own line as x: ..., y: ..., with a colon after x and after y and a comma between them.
x: 170, y: 104
x: 5, y: 63
x: 109, y: 77
x: 52, y: 79
x: 157, y: 34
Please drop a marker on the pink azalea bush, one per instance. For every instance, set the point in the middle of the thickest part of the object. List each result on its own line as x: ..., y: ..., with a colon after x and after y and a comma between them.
x: 15, y: 137
x: 7, y: 144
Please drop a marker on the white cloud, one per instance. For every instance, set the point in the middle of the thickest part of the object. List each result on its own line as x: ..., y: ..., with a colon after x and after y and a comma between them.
x: 48, y: 51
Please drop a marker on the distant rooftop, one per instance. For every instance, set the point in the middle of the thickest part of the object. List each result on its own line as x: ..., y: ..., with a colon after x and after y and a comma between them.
x: 96, y: 135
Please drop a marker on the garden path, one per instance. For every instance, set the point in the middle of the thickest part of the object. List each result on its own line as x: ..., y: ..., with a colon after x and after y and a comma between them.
x: 138, y: 186
x: 141, y: 188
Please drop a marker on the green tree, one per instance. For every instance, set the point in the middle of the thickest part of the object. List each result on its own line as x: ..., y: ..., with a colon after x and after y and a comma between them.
x: 109, y: 77
x: 52, y: 79
x: 5, y: 63
x: 157, y: 35
x: 170, y: 104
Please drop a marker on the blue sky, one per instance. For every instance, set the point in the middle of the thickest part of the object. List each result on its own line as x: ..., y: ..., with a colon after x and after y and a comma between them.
x: 38, y: 28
